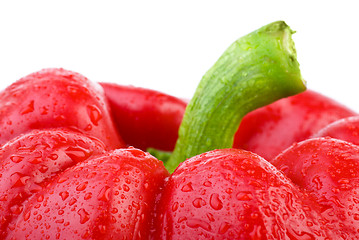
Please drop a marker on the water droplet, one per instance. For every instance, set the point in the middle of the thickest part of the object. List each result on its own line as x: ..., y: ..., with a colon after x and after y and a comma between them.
x: 88, y: 127
x: 198, y: 223
x: 187, y: 187
x: 229, y: 190
x: 84, y: 216
x: 198, y: 202
x: 36, y: 160
x: 53, y: 156
x: 19, y: 179
x: 43, y: 169
x: 174, y: 206
x: 181, y: 219
x: 72, y: 201
x: 94, y: 113
x: 62, y: 179
x: 64, y: 195
x: 82, y: 186
x: 210, y: 217
x: 16, y: 159
x: 104, y: 194
x: 215, y: 202
x: 224, y: 227
x: 88, y: 196
x: 40, y: 198
x: 28, y: 109
x: 207, y: 184
x: 310, y: 223
x: 244, y: 196
x: 60, y: 221
x: 126, y: 188
x: 27, y: 215
x: 77, y: 153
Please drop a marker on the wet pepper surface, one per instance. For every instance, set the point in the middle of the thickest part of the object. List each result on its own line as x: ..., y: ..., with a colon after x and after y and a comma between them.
x: 74, y: 161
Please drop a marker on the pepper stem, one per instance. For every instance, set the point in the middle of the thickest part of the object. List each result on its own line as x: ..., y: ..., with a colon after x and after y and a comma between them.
x: 254, y: 71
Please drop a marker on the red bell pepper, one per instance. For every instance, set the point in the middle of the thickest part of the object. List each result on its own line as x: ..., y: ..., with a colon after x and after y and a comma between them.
x: 235, y: 194
x: 271, y: 129
x: 346, y: 129
x: 30, y: 161
x: 108, y: 197
x: 327, y: 169
x: 65, y: 181
x: 56, y: 98
x: 145, y: 118
x: 59, y: 180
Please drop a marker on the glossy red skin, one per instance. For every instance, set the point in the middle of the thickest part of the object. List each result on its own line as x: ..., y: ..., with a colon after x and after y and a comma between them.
x: 108, y: 197
x: 234, y: 194
x: 269, y: 130
x: 29, y: 161
x: 328, y: 169
x: 145, y: 118
x: 346, y: 129
x: 54, y: 98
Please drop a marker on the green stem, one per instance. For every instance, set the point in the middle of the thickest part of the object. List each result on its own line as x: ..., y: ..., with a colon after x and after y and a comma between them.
x: 254, y: 71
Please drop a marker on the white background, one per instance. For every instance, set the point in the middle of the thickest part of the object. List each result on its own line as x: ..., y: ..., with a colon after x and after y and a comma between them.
x: 169, y: 45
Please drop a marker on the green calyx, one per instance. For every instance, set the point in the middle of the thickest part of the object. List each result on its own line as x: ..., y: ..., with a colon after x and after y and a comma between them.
x: 254, y: 71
